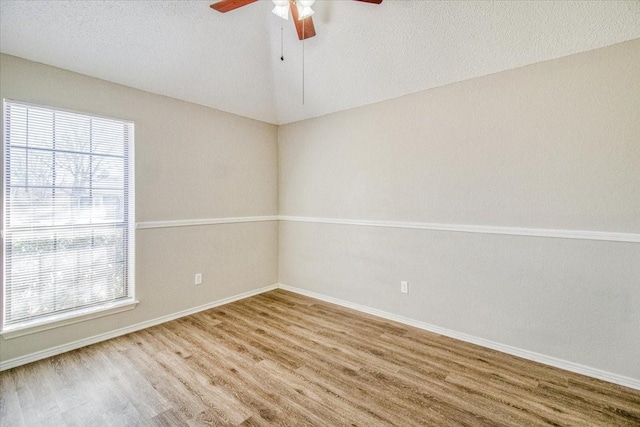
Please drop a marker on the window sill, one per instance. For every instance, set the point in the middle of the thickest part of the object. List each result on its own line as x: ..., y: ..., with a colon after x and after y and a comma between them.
x: 67, y: 319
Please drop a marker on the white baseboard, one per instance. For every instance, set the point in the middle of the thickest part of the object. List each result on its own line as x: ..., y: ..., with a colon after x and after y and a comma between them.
x: 43, y: 354
x: 525, y: 354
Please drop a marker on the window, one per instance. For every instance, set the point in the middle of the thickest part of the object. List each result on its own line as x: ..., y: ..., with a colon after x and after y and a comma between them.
x: 68, y: 215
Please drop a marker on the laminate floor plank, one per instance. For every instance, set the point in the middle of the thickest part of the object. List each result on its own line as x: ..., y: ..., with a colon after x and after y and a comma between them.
x: 245, y: 385
x: 169, y: 418
x: 111, y: 395
x: 70, y: 389
x: 133, y: 386
x: 357, y: 395
x: 37, y: 401
x: 468, y: 372
x: 212, y: 407
x: 169, y: 387
x: 221, y: 402
x: 283, y: 359
x: 10, y: 411
x: 236, y: 372
x: 299, y: 348
x: 514, y: 370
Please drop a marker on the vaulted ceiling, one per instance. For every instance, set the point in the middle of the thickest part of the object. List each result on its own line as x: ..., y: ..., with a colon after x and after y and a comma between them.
x: 363, y: 53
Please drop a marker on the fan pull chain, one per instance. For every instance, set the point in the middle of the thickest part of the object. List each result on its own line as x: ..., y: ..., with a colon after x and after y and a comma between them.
x: 303, y: 62
x: 281, y: 40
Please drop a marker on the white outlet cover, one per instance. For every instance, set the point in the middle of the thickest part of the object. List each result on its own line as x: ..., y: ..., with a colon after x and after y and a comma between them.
x: 198, y: 278
x: 404, y: 287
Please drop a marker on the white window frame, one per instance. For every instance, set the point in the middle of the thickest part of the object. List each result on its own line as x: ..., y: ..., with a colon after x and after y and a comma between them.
x: 60, y: 319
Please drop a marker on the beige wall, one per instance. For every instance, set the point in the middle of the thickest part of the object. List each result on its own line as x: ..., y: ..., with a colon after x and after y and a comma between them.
x: 555, y: 145
x: 192, y: 162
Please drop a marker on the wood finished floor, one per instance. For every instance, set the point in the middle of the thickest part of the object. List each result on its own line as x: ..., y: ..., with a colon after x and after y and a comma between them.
x: 284, y: 359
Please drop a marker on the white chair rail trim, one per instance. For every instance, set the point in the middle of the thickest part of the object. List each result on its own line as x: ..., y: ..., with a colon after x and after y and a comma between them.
x: 483, y: 229
x: 204, y: 221
x: 610, y: 236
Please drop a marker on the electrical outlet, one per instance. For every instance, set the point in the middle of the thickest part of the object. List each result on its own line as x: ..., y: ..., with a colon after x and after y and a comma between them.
x: 404, y: 287
x: 198, y: 279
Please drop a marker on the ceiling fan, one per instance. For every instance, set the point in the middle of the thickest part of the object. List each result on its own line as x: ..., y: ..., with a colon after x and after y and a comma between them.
x: 300, y: 10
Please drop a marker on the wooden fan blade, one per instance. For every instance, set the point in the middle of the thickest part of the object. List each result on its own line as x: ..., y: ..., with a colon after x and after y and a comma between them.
x: 227, y: 5
x: 371, y: 1
x: 304, y: 27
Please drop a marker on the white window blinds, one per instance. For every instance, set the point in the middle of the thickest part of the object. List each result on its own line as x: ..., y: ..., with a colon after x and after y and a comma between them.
x: 68, y: 213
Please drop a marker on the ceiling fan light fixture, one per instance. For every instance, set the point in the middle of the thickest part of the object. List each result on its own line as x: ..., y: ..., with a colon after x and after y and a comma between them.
x: 304, y: 8
x: 281, y: 8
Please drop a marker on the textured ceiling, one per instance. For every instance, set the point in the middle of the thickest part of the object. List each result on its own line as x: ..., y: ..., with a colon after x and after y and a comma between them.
x: 363, y: 53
